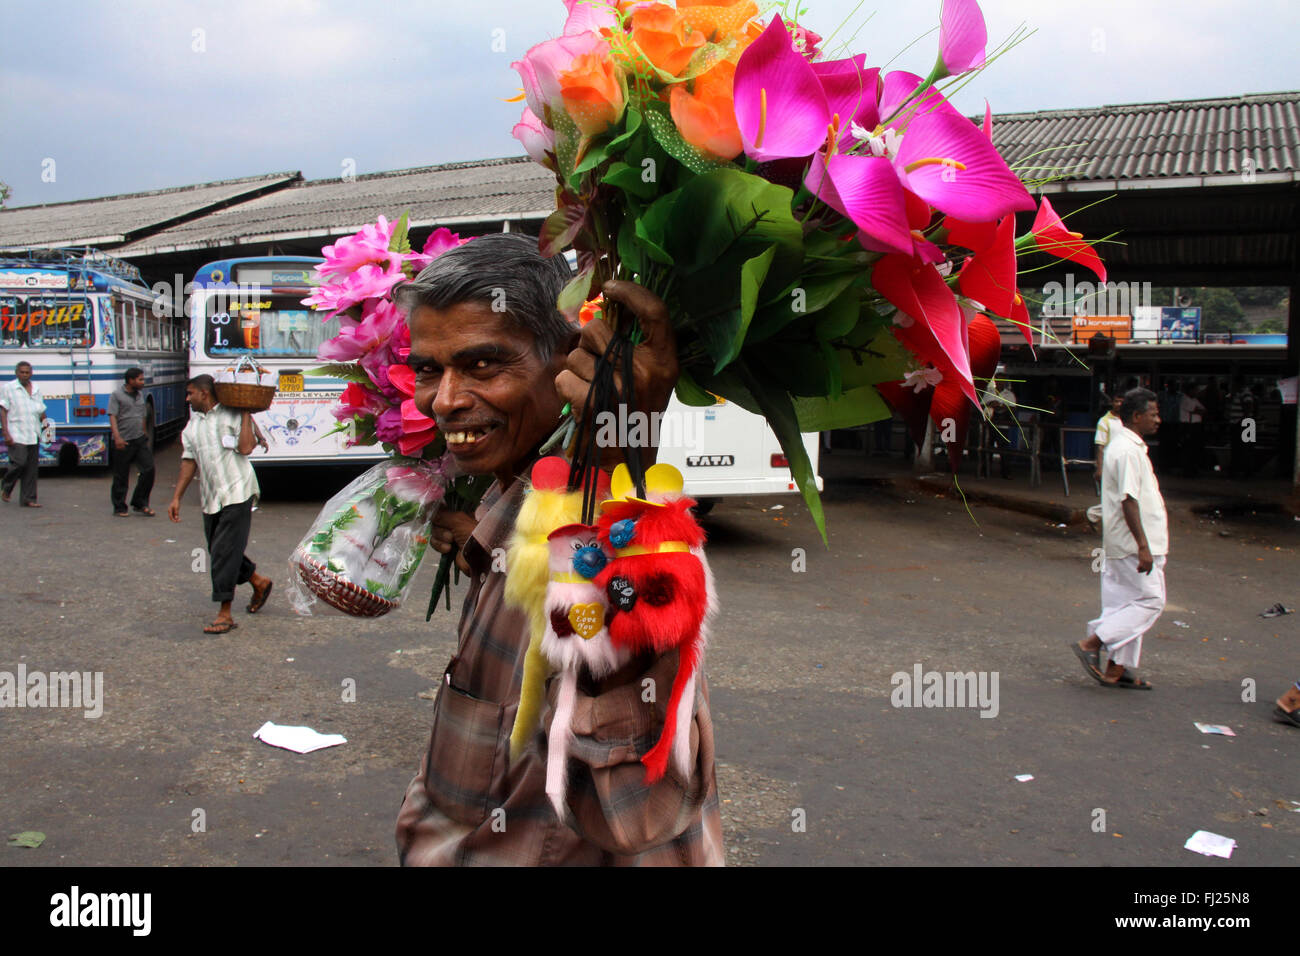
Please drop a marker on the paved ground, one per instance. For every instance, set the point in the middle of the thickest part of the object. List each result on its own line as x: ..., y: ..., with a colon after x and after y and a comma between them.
x: 800, y: 674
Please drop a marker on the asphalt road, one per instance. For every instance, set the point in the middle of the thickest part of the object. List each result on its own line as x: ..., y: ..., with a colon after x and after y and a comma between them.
x: 799, y: 670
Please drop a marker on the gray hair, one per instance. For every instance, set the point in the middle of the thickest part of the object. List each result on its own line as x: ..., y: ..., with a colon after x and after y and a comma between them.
x: 1135, y: 402
x: 507, y: 272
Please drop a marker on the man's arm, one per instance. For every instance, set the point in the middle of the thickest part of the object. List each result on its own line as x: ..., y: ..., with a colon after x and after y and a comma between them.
x: 117, y: 439
x: 1133, y: 518
x: 1099, y: 455
x: 247, y: 434
x: 4, y: 425
x: 189, y: 468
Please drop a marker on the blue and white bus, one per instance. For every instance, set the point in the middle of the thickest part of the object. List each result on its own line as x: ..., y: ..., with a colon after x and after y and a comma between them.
x: 253, y: 306
x: 82, y: 318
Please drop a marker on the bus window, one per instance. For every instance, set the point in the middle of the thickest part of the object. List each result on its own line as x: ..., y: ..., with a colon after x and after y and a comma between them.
x: 13, y: 321
x: 266, y: 325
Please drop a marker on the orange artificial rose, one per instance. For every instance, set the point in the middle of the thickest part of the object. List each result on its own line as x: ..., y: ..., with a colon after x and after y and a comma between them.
x: 706, y: 115
x: 664, y: 36
x: 718, y: 21
x: 593, y: 93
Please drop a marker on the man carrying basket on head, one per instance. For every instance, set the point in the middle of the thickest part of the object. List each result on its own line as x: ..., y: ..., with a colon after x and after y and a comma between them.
x: 216, y: 444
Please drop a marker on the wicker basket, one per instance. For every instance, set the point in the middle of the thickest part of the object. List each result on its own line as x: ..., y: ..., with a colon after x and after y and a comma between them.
x: 248, y: 398
x: 337, y: 592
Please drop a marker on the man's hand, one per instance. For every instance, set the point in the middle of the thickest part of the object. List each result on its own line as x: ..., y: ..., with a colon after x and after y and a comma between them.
x: 1145, y: 561
x: 452, y: 527
x: 118, y: 443
x: 174, y: 510
x: 8, y: 439
x: 654, y: 360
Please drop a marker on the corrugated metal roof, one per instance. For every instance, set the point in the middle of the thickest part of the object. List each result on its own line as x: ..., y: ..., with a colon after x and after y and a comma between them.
x: 117, y: 219
x: 487, y: 190
x: 1153, y: 141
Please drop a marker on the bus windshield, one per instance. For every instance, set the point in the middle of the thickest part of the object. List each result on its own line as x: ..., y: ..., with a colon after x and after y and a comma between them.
x: 45, y: 321
x: 270, y: 325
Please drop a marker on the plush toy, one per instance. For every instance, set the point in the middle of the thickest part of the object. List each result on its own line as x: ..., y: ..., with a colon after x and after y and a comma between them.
x: 549, y: 504
x: 575, y: 637
x: 660, y: 593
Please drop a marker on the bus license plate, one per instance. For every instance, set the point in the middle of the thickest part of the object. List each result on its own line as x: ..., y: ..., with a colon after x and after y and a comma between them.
x: 291, y: 383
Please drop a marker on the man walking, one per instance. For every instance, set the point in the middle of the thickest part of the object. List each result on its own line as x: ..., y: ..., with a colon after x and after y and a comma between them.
x: 127, y: 409
x: 1135, y: 537
x: 216, y: 444
x: 22, y: 409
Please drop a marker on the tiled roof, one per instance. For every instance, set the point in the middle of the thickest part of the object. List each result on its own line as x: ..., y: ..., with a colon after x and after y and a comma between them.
x: 1146, y: 142
x: 116, y: 219
x: 487, y: 190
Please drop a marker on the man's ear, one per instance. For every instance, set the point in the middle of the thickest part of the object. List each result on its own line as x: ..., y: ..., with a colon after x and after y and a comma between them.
x: 560, y: 358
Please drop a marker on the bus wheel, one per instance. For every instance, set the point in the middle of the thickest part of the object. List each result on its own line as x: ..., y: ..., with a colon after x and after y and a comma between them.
x: 704, y: 506
x: 68, y: 457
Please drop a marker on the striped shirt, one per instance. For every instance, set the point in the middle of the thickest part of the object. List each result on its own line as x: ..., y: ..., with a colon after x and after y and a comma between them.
x: 469, y: 804
x: 225, y: 476
x: 1106, y: 426
x: 24, y: 411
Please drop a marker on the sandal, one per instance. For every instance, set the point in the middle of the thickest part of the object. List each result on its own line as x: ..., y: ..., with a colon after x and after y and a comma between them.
x: 259, y: 598
x: 121, y: 514
x: 220, y: 627
x: 1128, y: 681
x: 146, y: 511
x: 1091, y: 663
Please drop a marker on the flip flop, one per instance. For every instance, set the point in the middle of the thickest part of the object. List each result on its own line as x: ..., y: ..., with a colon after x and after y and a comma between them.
x: 121, y: 514
x: 259, y: 598
x: 223, y: 627
x: 147, y: 512
x: 1091, y: 663
x: 1129, y: 681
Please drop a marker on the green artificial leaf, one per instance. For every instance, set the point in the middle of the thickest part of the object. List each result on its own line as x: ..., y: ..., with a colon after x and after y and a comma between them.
x: 797, y: 366
x: 631, y: 253
x: 28, y: 838
x: 779, y: 411
x: 400, y: 242
x: 567, y: 140
x: 690, y: 393
x: 724, y: 334
x: 652, y: 227
x: 631, y: 125
x: 594, y: 156
x: 343, y: 371
x: 806, y: 296
x: 630, y: 179
x: 726, y: 217
x: 575, y: 293
x: 856, y: 406
x: 839, y: 317
x: 871, y: 354
x: 666, y: 135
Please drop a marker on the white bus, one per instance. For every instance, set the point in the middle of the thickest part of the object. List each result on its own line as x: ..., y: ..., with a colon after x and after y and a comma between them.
x: 253, y: 306
x: 82, y: 318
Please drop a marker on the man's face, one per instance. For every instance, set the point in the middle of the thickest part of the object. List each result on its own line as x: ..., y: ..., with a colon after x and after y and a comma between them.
x: 134, y: 385
x: 1147, y: 422
x: 1115, y: 403
x: 24, y: 373
x: 478, y: 376
x: 198, y: 399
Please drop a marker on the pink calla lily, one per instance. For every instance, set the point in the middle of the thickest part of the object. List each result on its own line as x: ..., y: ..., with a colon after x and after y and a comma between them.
x: 865, y: 189
x: 989, y: 276
x: 939, y: 333
x: 1053, y: 238
x: 962, y: 38
x: 781, y: 108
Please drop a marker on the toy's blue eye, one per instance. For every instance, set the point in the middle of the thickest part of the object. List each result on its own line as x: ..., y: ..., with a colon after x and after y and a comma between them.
x: 622, y: 532
x: 589, y: 561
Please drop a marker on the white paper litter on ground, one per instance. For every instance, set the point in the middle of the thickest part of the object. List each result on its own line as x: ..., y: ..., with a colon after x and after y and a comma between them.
x: 1210, y: 844
x: 1024, y: 777
x: 301, y: 740
x: 1181, y: 624
x: 1223, y: 729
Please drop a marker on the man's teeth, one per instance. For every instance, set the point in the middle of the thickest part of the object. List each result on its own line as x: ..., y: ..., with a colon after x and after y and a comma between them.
x: 466, y: 437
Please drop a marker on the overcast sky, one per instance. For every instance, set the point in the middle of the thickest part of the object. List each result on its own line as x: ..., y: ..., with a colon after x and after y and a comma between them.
x: 148, y: 94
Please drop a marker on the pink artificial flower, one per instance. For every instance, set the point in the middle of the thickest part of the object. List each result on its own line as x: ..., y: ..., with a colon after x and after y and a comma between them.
x: 542, y: 65
x: 367, y: 247
x: 418, y: 429
x: 805, y: 41
x: 357, y: 399
x: 589, y: 16
x: 376, y: 329
x: 388, y: 425
x: 367, y: 282
x: 537, y: 139
x: 962, y: 38
x: 439, y: 241
x: 426, y: 484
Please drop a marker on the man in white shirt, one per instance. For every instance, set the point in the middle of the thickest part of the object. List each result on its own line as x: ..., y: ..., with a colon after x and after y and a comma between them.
x: 22, y: 409
x: 1107, y: 426
x: 1135, y: 537
x: 215, y: 445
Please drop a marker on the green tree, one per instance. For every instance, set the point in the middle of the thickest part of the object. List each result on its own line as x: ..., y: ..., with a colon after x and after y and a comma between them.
x: 1220, y: 310
x: 4, y: 194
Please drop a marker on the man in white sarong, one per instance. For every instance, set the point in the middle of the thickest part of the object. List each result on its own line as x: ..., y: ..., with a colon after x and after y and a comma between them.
x: 1135, y: 538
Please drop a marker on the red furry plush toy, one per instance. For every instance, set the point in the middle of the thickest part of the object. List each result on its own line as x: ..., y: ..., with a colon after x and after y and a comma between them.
x: 660, y: 594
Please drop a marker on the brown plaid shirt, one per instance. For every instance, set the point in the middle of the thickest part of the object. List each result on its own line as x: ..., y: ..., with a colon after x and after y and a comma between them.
x: 470, y: 805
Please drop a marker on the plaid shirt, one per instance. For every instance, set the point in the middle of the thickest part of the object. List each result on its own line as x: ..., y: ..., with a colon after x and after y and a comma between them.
x: 225, y: 476
x: 24, y: 411
x: 470, y: 805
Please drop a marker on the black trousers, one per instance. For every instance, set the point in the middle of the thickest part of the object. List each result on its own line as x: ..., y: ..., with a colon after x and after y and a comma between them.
x: 227, y: 534
x: 137, y: 450
x: 23, y: 462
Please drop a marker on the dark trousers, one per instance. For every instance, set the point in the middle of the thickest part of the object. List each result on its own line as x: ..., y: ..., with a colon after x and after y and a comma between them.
x: 23, y: 461
x: 227, y: 534
x: 137, y: 450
